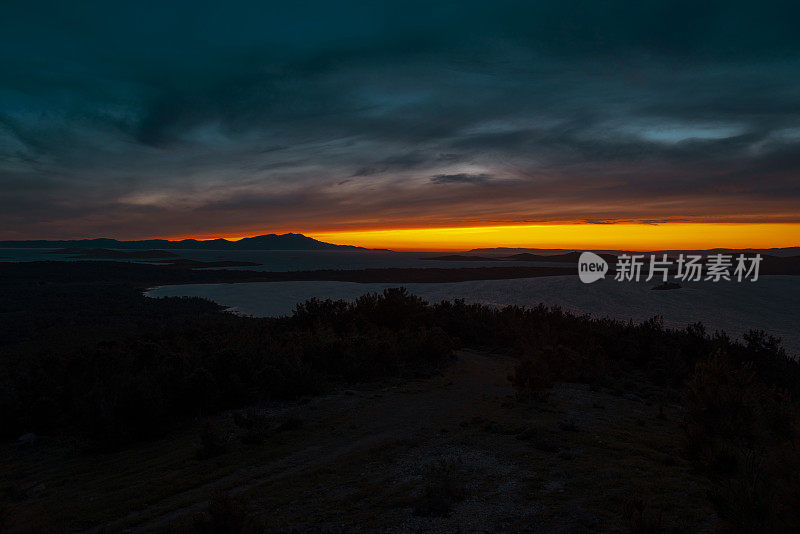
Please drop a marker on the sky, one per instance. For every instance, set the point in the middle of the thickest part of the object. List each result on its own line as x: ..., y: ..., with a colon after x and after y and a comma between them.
x: 365, y: 122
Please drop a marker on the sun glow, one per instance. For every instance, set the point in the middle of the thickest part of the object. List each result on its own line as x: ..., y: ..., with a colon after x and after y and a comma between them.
x: 575, y: 236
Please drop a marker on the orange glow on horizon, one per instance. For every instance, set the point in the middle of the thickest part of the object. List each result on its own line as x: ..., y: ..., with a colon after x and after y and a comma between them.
x: 575, y: 236
x: 623, y: 236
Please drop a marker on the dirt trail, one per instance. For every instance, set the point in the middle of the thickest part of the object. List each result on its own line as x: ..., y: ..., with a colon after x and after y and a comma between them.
x: 368, y: 419
x: 452, y: 453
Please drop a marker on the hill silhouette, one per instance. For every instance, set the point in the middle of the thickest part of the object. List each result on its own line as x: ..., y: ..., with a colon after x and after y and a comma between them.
x: 262, y: 242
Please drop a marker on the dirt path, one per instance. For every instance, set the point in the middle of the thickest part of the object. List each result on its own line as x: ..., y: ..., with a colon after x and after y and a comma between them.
x: 369, y: 420
x: 453, y: 453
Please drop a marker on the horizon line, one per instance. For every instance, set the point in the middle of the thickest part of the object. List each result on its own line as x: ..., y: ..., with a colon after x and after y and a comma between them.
x: 565, y: 236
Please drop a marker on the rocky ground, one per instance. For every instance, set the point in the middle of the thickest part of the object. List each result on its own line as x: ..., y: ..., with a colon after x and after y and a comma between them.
x: 453, y: 453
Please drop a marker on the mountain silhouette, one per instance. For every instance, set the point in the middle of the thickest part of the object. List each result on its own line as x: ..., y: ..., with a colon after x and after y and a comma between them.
x: 263, y: 242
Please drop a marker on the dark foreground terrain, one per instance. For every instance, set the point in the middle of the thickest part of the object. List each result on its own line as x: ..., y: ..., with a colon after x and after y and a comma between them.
x: 122, y: 412
x: 446, y: 454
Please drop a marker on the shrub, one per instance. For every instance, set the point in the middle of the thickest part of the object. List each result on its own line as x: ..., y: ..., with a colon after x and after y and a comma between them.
x: 532, y: 378
x: 118, y: 366
x: 642, y: 518
x: 742, y: 432
x: 444, y: 487
x: 212, y: 442
x: 720, y: 406
x: 225, y: 515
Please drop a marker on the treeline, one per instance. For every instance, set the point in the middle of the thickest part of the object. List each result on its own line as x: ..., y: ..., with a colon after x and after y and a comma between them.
x: 741, y: 398
x: 742, y: 415
x: 116, y: 365
x: 107, y: 358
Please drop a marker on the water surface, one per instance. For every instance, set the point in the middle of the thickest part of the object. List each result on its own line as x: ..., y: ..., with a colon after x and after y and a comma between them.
x: 769, y: 304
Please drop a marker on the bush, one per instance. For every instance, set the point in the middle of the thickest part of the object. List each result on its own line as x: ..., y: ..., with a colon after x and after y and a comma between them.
x: 532, y: 378
x: 444, y: 487
x: 720, y: 406
x: 225, y: 515
x: 742, y: 433
x: 212, y: 442
x: 118, y: 366
x: 642, y: 518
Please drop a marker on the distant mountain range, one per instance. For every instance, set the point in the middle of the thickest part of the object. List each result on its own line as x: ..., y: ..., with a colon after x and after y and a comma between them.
x: 262, y: 242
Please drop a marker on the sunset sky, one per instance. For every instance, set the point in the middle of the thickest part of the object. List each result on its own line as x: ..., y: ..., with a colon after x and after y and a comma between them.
x: 411, y: 125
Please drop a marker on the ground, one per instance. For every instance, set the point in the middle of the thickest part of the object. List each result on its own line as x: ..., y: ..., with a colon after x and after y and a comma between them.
x: 452, y: 453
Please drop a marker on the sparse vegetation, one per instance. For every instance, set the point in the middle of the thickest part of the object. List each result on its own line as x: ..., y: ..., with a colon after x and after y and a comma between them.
x: 742, y: 431
x: 116, y: 365
x: 106, y: 362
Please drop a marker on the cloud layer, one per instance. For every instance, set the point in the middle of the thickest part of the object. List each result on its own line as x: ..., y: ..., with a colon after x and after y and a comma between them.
x: 137, y: 120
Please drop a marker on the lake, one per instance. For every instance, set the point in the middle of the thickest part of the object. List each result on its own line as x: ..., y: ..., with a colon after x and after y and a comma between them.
x: 769, y: 304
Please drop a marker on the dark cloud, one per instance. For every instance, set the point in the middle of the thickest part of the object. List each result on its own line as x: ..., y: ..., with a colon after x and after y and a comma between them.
x: 461, y: 178
x: 138, y: 119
